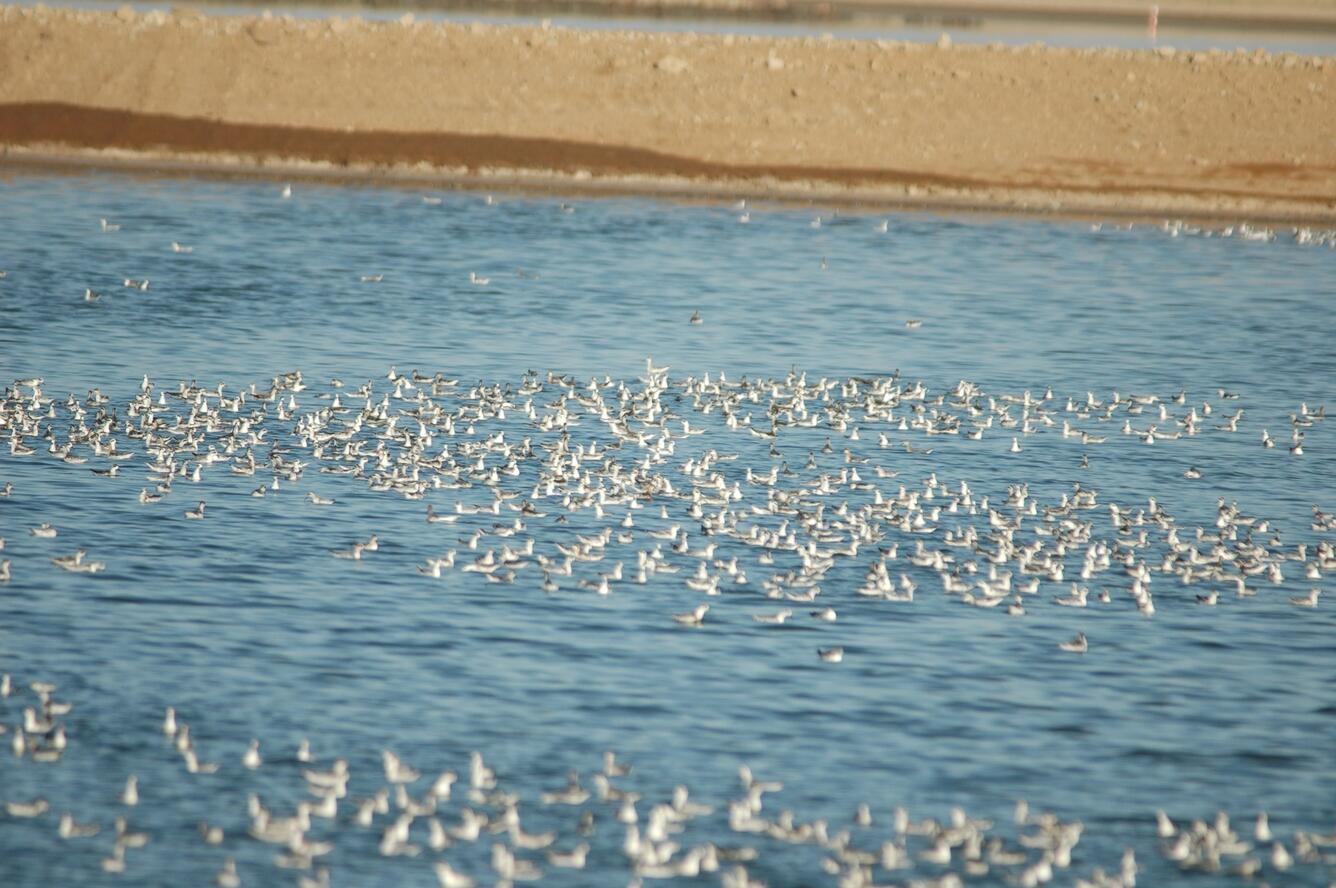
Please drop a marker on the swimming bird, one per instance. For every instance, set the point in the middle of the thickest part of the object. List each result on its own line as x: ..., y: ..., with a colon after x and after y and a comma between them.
x: 396, y: 771
x: 478, y: 280
x: 70, y: 829
x: 1309, y: 600
x: 695, y: 318
x: 130, y: 795
x: 449, y: 877
x: 251, y: 759
x: 612, y: 767
x: 36, y: 808
x: 434, y: 517
x: 227, y: 877
x: 354, y: 553
x: 44, y: 531
x: 196, y: 513
x: 317, y: 500
x: 695, y: 617
x: 573, y: 859
x: 1078, y: 645
x: 831, y: 655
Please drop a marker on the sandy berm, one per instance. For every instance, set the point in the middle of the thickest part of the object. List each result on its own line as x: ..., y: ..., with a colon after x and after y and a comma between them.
x: 1225, y: 134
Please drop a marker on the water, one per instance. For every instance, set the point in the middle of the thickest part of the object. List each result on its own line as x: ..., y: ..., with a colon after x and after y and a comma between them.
x: 249, y: 628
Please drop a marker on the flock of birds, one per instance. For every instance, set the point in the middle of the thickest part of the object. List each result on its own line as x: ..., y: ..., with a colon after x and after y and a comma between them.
x: 732, y: 500
x: 601, y: 486
x: 467, y: 825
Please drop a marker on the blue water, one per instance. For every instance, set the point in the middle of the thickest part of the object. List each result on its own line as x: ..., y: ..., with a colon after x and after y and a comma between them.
x: 249, y: 628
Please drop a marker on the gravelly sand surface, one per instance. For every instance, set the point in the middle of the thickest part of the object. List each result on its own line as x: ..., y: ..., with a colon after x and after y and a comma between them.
x: 1224, y: 133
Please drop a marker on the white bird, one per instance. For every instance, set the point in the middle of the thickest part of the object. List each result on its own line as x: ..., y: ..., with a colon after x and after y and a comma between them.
x: 70, y: 829
x: 130, y: 795
x: 227, y: 876
x: 695, y: 617
x: 1309, y: 600
x: 1078, y: 645
x: 449, y: 877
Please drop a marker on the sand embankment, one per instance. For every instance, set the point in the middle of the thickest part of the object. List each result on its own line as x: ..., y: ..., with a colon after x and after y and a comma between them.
x: 1224, y: 134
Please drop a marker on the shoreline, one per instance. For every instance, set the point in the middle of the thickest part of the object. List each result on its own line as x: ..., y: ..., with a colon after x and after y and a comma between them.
x: 1225, y: 136
x: 1295, y: 16
x: 215, y: 151
x: 1097, y: 207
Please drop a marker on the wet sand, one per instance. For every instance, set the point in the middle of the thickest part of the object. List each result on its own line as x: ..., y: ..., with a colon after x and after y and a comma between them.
x: 1238, y: 135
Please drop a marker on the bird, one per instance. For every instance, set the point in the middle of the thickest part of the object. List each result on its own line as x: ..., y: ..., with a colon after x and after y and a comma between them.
x: 1078, y: 645
x: 196, y: 513
x: 695, y: 318
x: 130, y: 795
x: 354, y: 553
x: 694, y: 617
x: 1309, y: 600
x: 36, y: 808
x: 70, y: 829
x: 831, y: 655
x: 434, y: 517
x: 227, y: 877
x: 478, y: 280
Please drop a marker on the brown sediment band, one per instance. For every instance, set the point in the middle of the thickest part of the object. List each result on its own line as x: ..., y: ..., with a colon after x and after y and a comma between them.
x: 48, y: 124
x: 55, y: 123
